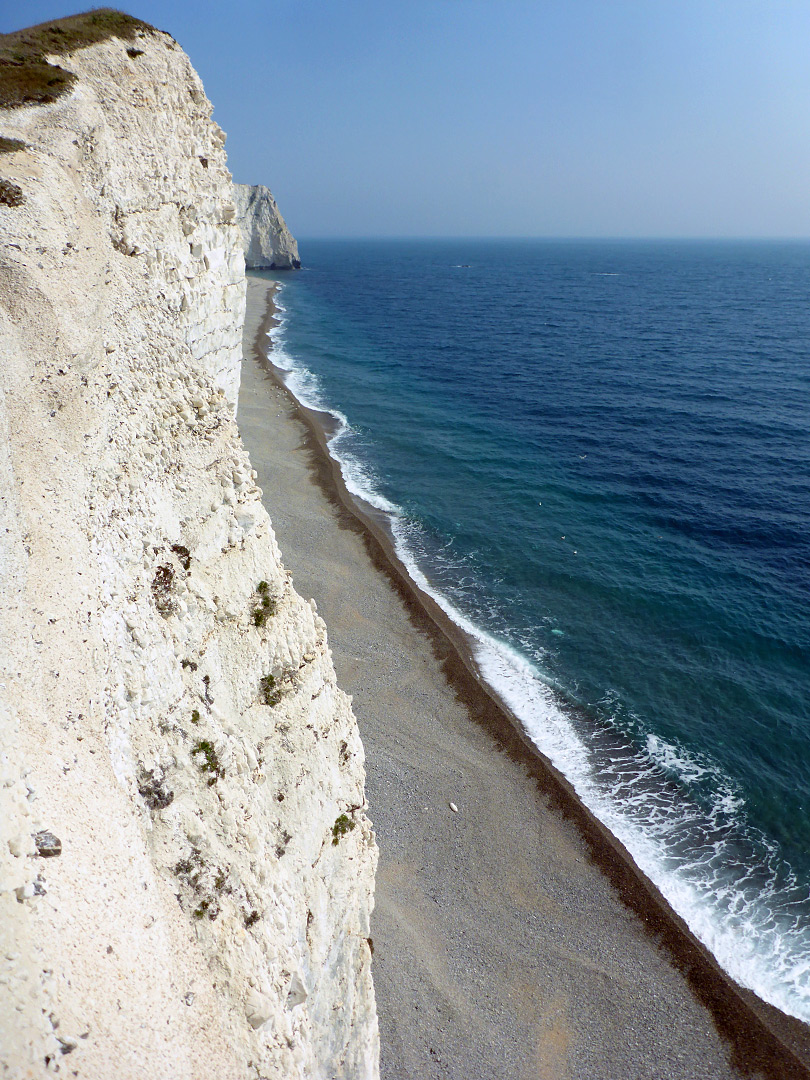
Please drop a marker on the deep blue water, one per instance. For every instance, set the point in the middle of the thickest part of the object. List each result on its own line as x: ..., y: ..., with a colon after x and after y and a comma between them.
x: 598, y: 455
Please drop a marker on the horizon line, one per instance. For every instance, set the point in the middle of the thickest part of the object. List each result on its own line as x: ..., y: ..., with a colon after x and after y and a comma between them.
x: 554, y: 238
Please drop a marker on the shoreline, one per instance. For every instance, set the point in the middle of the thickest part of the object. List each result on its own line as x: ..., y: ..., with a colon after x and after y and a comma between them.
x: 763, y: 1039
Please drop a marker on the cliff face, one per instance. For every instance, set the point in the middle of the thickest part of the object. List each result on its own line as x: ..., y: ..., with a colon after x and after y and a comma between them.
x: 266, y: 240
x: 186, y: 869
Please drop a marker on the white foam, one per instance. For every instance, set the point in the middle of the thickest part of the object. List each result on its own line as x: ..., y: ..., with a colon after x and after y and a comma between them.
x: 750, y: 923
x: 685, y: 766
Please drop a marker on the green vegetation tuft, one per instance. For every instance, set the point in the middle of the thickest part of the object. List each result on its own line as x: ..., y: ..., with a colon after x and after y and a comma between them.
x: 26, y: 77
x: 343, y: 825
x: 270, y: 690
x: 208, y: 760
x: 8, y: 146
x: 267, y: 606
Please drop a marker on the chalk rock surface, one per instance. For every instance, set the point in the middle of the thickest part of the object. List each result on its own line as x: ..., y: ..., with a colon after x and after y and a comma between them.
x: 186, y: 868
x: 266, y: 240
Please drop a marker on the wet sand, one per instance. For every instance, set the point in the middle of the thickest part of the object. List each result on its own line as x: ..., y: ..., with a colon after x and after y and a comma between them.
x: 513, y: 938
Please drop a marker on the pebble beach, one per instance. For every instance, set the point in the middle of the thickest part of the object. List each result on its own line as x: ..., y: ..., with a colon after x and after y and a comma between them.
x: 511, y: 935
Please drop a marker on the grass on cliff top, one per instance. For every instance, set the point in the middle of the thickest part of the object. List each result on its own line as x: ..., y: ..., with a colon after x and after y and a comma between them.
x: 26, y: 77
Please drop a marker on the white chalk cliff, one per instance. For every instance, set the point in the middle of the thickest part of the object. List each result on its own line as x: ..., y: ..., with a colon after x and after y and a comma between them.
x: 266, y: 240
x: 186, y: 868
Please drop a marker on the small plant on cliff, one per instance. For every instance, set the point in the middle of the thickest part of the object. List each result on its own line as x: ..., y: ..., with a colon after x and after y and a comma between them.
x: 10, y: 194
x: 266, y: 606
x: 343, y: 824
x: 183, y: 555
x: 8, y: 146
x: 270, y: 690
x: 201, y: 894
x: 161, y: 589
x: 208, y: 761
x: 153, y: 789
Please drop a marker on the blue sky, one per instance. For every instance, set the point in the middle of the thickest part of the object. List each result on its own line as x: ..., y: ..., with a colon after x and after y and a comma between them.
x: 507, y: 117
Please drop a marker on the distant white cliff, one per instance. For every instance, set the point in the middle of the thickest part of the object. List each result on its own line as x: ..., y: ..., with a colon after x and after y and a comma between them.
x: 266, y: 240
x: 186, y: 867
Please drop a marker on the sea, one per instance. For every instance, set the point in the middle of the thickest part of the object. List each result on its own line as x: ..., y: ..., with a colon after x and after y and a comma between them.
x: 596, y: 456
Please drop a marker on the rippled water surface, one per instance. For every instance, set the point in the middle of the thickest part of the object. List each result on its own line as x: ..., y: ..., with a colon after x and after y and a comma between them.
x: 597, y: 456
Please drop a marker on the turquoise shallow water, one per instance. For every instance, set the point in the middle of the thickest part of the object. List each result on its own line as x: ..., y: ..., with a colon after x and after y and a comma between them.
x: 596, y: 455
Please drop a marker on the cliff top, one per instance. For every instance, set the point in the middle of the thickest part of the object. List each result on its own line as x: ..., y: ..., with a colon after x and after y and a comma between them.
x: 26, y: 77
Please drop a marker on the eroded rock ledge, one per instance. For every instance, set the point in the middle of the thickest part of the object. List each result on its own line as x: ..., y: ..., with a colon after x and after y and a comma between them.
x: 186, y: 868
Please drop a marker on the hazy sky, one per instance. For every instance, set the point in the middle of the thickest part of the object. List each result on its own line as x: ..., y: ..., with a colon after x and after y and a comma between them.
x: 507, y: 117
